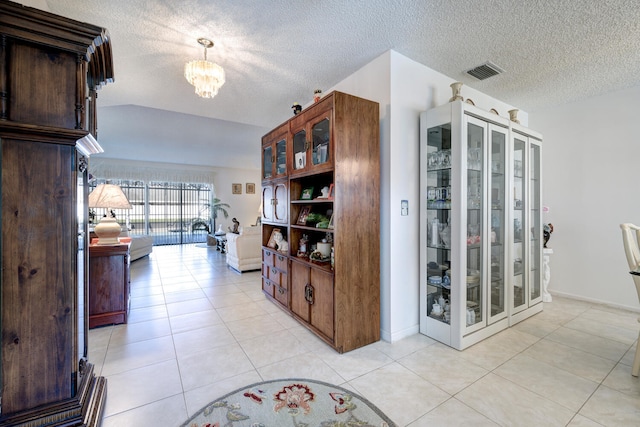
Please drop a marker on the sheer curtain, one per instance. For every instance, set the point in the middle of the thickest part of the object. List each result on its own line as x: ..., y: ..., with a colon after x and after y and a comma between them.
x: 107, y: 168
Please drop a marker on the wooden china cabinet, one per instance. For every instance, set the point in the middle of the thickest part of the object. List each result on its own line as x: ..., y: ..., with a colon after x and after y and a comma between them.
x: 332, y: 175
x: 50, y: 68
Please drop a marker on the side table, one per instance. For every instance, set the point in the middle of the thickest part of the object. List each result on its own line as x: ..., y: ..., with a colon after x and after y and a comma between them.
x: 108, y: 284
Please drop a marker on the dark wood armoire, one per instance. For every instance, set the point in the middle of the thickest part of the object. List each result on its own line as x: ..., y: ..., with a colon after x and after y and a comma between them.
x: 50, y: 69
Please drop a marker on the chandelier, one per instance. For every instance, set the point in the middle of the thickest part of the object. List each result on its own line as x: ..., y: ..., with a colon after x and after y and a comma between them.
x: 206, y: 76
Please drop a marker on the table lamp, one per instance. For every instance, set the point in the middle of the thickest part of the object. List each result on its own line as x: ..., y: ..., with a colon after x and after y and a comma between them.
x: 111, y: 197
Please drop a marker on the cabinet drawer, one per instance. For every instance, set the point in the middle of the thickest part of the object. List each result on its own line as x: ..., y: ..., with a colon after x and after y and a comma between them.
x: 274, y: 275
x: 282, y: 295
x: 267, y: 287
x: 281, y: 262
x: 268, y: 257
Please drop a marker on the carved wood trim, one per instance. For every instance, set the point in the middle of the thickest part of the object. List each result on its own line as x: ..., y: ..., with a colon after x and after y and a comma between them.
x: 84, y: 410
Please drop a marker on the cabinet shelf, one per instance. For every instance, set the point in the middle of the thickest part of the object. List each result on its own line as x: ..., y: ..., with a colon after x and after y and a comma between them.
x: 309, y: 228
x: 323, y: 265
x: 311, y: 201
x: 439, y: 206
x: 442, y: 247
x: 439, y: 286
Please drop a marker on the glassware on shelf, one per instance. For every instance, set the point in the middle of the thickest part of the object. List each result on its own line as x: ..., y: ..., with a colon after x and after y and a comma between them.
x: 474, y: 159
x: 445, y: 235
x: 433, y: 235
x: 440, y: 159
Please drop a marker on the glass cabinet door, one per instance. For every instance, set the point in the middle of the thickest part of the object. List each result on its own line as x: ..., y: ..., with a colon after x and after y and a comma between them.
x: 475, y: 223
x: 497, y: 184
x: 274, y: 153
x: 438, y: 223
x: 519, y: 249
x: 311, y: 144
x: 321, y: 152
x: 281, y: 157
x: 267, y: 162
x: 535, y: 224
x: 300, y: 149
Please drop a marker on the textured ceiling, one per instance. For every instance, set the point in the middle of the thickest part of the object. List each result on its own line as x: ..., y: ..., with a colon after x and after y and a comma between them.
x: 277, y: 52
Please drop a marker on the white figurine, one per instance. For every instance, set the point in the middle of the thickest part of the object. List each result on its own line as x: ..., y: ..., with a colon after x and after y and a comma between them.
x: 281, y: 244
x: 324, y: 193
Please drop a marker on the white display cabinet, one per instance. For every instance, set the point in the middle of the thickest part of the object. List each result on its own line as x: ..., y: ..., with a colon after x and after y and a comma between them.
x: 479, y: 191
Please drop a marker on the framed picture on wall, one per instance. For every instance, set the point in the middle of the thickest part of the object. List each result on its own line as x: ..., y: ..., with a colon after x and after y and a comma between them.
x: 236, y: 188
x: 251, y: 188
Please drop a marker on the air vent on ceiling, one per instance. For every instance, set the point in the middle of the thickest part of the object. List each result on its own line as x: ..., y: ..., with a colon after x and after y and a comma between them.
x: 484, y: 71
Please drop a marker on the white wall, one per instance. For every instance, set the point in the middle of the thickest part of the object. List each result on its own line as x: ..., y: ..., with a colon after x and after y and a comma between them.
x: 404, y: 88
x: 591, y: 157
x: 245, y: 207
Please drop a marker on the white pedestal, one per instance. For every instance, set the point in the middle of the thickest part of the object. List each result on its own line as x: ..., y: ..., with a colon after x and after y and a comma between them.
x: 546, y: 296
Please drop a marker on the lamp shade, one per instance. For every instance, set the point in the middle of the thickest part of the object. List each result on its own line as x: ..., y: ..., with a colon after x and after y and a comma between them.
x: 111, y: 197
x: 108, y: 196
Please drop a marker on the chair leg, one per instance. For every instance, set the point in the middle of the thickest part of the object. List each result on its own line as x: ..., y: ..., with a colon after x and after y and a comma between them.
x: 636, y: 360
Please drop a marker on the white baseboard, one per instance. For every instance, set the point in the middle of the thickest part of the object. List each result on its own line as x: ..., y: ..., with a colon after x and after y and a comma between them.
x: 594, y: 301
x: 398, y: 335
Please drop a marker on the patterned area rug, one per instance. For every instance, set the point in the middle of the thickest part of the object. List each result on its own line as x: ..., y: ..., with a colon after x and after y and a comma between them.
x: 290, y: 402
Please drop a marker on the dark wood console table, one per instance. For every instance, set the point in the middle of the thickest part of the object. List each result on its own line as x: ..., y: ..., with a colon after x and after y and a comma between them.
x: 108, y: 284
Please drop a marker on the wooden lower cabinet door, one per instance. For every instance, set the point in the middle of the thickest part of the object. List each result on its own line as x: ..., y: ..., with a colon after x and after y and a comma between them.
x: 322, y: 301
x: 267, y: 203
x: 280, y: 203
x: 312, y: 297
x: 299, y: 282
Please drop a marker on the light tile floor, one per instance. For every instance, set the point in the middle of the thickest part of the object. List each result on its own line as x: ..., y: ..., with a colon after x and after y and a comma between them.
x: 198, y: 330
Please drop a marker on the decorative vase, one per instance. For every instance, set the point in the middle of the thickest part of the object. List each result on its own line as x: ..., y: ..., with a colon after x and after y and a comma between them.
x: 455, y: 87
x: 513, y: 116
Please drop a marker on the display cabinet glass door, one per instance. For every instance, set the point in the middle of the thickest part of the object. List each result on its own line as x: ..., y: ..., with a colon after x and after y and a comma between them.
x: 281, y: 157
x: 267, y: 162
x: 535, y: 223
x: 475, y: 274
x: 439, y: 162
x: 320, y: 145
x: 274, y: 159
x: 300, y: 149
x: 497, y: 185
x: 312, y: 144
x: 519, y: 244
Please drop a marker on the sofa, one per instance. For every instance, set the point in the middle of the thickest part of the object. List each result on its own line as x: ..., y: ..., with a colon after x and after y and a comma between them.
x: 244, y: 250
x: 141, y: 245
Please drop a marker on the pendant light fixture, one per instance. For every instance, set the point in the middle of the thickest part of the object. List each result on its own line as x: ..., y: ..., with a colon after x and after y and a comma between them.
x: 206, y: 76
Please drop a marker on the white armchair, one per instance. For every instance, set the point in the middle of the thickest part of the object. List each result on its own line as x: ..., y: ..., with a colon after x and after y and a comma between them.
x: 244, y: 250
x: 631, y: 239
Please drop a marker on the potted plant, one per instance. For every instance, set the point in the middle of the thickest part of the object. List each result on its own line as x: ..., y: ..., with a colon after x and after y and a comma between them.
x: 209, y: 210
